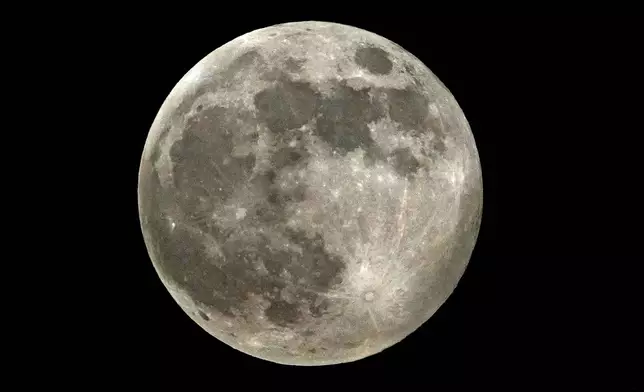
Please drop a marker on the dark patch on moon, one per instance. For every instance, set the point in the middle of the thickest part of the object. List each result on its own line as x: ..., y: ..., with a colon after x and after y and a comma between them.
x: 287, y: 105
x: 404, y: 162
x: 184, y: 262
x: 408, y: 107
x: 374, y: 154
x: 344, y: 118
x: 323, y: 269
x: 221, y: 281
x: 438, y: 144
x: 203, y: 165
x: 283, y: 313
x: 318, y: 304
x: 374, y: 60
x: 264, y: 180
x: 179, y: 113
x: 288, y: 156
x: 270, y: 212
x: 278, y: 198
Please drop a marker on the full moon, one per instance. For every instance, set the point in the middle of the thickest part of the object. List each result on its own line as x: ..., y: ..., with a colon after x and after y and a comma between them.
x: 310, y: 193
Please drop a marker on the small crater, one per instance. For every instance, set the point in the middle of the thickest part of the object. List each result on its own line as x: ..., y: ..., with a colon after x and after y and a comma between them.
x: 199, y: 108
x: 373, y: 59
x: 312, y: 350
x: 353, y: 344
x: 203, y: 316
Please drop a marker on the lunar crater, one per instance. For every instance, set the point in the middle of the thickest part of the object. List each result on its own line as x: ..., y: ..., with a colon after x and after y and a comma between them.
x: 310, y: 193
x: 373, y: 59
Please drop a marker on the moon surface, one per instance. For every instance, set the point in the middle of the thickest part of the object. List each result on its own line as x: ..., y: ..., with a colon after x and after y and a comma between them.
x: 310, y: 193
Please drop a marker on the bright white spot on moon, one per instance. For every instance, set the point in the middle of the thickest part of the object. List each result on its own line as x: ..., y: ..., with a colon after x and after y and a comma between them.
x: 254, y: 341
x: 433, y: 109
x: 241, y: 213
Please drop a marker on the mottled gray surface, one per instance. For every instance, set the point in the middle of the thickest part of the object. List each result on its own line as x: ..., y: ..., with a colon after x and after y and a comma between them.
x: 310, y: 193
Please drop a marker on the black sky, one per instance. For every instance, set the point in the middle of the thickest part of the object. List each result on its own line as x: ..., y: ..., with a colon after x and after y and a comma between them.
x: 524, y: 85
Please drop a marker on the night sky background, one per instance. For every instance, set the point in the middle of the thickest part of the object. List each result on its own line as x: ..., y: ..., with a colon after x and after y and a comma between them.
x: 529, y: 87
